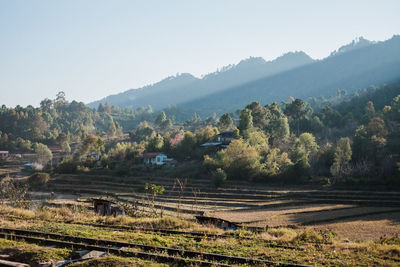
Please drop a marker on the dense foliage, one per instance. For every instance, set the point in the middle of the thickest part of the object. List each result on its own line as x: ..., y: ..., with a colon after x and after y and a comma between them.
x: 343, y: 140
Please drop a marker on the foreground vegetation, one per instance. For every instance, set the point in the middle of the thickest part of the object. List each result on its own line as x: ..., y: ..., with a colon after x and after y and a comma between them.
x: 309, y: 247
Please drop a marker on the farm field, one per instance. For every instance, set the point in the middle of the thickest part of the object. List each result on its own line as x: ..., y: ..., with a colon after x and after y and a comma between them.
x: 289, y: 225
x: 349, y: 213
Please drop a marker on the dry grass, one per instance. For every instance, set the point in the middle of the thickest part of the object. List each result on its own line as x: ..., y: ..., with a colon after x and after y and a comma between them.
x: 19, y: 212
x: 283, y: 234
x: 372, y: 227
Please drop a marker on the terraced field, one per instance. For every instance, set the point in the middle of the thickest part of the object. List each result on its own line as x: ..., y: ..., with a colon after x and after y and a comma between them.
x: 249, y: 205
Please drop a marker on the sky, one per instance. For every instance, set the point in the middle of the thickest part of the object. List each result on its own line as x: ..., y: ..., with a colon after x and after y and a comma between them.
x: 93, y: 48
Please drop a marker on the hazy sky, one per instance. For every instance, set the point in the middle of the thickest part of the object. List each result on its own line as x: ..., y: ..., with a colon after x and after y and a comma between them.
x: 92, y: 48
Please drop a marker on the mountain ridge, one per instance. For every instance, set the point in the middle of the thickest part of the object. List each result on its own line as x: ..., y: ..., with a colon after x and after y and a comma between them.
x: 246, y: 70
x: 352, y: 66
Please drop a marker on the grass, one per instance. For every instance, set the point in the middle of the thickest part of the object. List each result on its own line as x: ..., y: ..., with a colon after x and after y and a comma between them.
x: 330, y: 250
x: 114, y: 261
x: 32, y: 254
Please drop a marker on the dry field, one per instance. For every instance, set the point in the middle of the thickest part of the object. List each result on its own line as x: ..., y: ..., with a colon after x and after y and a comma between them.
x: 356, y: 215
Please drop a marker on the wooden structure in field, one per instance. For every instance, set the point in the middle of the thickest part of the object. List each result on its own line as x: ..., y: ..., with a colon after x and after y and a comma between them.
x: 218, y: 222
x: 106, y: 207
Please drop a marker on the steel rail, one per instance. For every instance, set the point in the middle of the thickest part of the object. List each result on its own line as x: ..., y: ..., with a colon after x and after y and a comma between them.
x: 115, y: 247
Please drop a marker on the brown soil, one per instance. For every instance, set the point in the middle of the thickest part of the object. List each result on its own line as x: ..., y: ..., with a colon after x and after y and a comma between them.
x: 371, y: 227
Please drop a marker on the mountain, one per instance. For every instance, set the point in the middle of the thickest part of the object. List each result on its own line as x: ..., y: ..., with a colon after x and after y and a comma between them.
x: 356, y: 65
x: 351, y: 68
x: 185, y: 87
x: 357, y: 43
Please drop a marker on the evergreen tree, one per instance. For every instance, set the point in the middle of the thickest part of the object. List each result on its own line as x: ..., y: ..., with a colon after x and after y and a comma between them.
x: 342, y: 157
x: 246, y: 120
x: 225, y: 122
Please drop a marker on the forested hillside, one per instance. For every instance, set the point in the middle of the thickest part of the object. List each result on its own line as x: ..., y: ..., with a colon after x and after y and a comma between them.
x: 357, y: 65
x: 55, y: 122
x: 358, y: 68
x: 344, y: 140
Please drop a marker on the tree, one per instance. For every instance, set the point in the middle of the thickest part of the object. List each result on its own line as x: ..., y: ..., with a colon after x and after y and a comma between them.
x: 161, y: 118
x: 14, y: 192
x: 4, y: 139
x: 369, y: 110
x: 112, y: 129
x: 239, y: 161
x: 395, y: 109
x: 60, y: 100
x: 276, y: 162
x: 330, y: 117
x: 218, y: 177
x: 100, y: 108
x: 297, y: 110
x: 46, y: 104
x: 155, y: 144
x: 65, y: 147
x: 361, y: 144
x: 305, y: 145
x: 43, y: 154
x: 259, y: 140
x: 188, y: 145
x: 225, y: 122
x: 260, y: 115
x: 143, y: 132
x: 277, y: 125
x: 342, y: 157
x: 377, y: 127
x: 92, y: 143
x: 246, y: 120
x: 205, y: 134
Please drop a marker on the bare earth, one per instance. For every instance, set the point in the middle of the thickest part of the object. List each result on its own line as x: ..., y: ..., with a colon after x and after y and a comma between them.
x: 371, y: 227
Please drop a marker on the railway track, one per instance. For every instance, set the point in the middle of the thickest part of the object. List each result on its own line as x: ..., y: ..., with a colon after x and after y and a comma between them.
x: 196, y: 235
x: 125, y: 249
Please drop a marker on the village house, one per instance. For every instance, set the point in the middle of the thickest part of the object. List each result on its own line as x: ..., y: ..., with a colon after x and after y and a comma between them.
x: 157, y: 159
x: 4, y: 154
x: 220, y: 141
x: 94, y: 155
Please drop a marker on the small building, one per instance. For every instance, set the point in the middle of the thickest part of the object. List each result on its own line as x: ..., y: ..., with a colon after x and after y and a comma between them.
x: 4, y: 154
x: 28, y: 166
x: 95, y: 155
x: 225, y: 137
x: 220, y: 141
x: 106, y: 207
x: 155, y: 159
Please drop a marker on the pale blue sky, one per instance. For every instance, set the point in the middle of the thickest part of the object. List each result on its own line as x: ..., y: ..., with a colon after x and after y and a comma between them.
x: 93, y: 48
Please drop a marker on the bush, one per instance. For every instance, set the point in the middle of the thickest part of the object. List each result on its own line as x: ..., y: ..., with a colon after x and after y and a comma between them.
x: 39, y: 178
x: 68, y: 165
x: 218, y: 177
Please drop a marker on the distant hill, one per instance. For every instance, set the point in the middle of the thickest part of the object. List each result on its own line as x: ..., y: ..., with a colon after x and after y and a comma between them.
x: 356, y: 65
x: 185, y: 87
x: 352, y: 67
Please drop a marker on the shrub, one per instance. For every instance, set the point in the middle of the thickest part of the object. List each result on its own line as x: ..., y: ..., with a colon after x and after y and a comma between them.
x: 218, y: 177
x: 39, y: 178
x: 311, y: 236
x: 68, y: 165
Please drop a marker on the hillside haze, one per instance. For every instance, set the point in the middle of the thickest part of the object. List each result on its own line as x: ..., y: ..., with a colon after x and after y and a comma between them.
x: 356, y: 65
x: 185, y: 87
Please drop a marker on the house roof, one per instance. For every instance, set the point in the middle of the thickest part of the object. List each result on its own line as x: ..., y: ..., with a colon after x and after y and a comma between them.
x: 3, y: 152
x: 226, y: 133
x: 152, y: 154
x: 211, y: 144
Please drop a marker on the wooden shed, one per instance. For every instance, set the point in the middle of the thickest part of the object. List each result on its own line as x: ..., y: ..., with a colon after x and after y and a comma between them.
x: 106, y: 207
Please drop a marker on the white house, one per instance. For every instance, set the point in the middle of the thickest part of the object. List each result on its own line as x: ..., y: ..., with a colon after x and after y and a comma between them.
x: 154, y: 159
